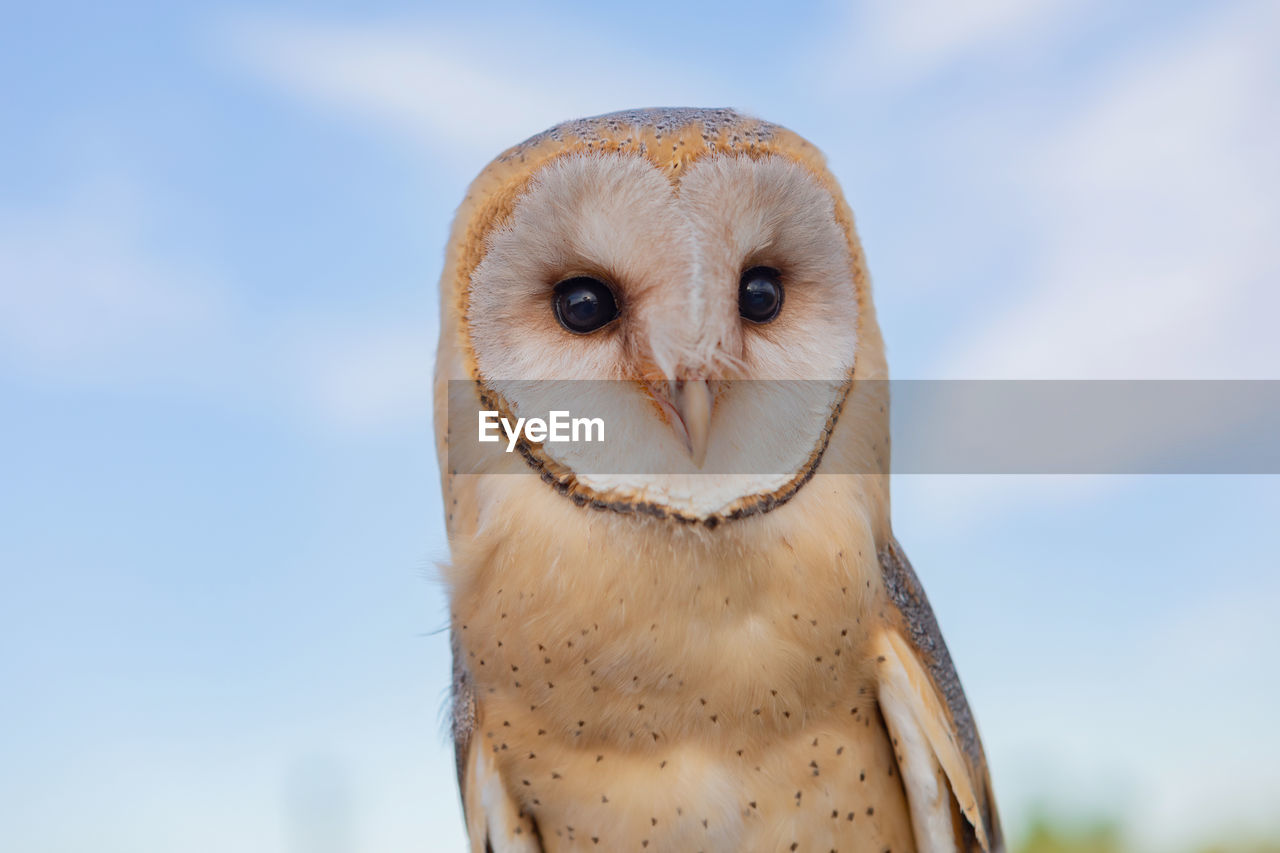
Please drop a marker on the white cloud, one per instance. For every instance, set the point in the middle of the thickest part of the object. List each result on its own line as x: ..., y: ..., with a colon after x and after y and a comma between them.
x: 83, y: 296
x: 422, y: 85
x: 1157, y: 198
x: 905, y: 42
x: 465, y: 95
x: 369, y: 375
x: 88, y: 296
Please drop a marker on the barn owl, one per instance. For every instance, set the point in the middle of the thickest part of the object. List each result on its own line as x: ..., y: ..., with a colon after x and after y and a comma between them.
x: 730, y: 652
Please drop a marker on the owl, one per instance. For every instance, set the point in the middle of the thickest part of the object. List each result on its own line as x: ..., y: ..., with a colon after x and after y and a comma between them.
x: 699, y: 633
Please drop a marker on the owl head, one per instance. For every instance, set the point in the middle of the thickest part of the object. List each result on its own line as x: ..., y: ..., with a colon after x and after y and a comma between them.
x: 692, y: 278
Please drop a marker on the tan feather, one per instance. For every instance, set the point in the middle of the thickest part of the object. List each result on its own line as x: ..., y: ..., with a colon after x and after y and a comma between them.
x: 922, y: 697
x: 926, y: 749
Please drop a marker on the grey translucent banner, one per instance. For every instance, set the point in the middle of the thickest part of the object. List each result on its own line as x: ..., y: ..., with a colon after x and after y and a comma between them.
x: 774, y: 427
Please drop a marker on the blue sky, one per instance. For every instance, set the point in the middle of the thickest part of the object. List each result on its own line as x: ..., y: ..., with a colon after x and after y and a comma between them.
x: 220, y: 232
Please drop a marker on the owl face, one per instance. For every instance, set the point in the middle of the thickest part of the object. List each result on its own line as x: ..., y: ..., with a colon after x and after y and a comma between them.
x: 708, y: 313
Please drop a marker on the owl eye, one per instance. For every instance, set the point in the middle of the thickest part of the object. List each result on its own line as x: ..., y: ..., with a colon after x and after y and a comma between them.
x: 760, y: 294
x: 584, y: 304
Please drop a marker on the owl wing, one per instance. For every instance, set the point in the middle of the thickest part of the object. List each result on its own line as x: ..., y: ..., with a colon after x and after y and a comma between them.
x: 495, y: 822
x: 944, y: 770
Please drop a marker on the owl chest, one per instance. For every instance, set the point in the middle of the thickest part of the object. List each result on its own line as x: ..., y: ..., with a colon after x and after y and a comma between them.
x: 828, y: 782
x: 727, y: 706
x: 609, y: 647
x: 625, y: 670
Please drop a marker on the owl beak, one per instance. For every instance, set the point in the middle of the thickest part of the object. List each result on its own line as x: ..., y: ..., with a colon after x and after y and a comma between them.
x: 692, y: 399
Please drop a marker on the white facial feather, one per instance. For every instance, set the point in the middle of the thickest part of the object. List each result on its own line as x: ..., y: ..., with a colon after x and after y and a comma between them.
x: 674, y: 255
x: 607, y: 216
x: 771, y: 212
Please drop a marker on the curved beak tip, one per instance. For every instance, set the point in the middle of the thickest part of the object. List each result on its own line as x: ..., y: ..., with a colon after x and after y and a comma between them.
x: 693, y: 401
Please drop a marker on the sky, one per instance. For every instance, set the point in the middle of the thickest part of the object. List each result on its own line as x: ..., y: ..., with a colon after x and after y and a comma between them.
x: 221, y: 228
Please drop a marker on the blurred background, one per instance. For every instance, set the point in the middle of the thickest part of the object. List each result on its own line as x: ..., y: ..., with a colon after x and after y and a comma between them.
x: 221, y: 227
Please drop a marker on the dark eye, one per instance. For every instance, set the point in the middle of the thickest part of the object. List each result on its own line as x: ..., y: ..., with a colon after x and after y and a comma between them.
x: 760, y: 294
x: 584, y: 304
